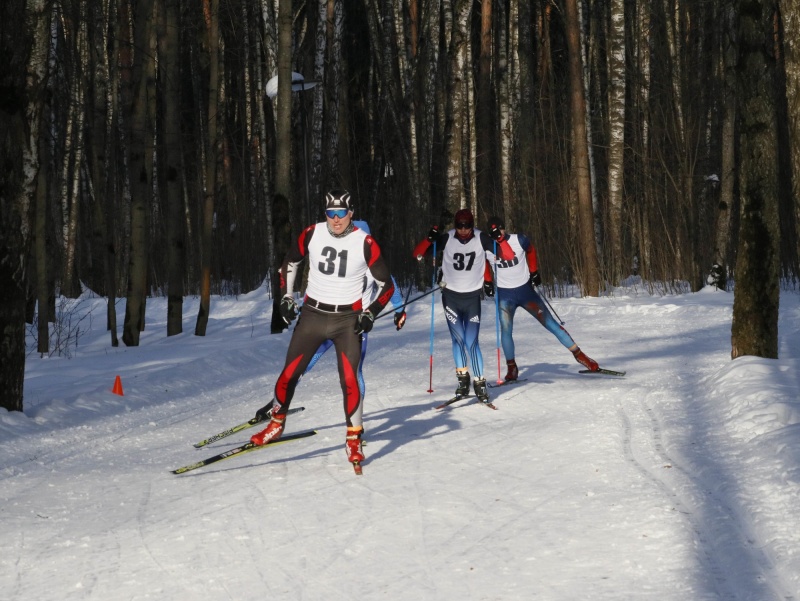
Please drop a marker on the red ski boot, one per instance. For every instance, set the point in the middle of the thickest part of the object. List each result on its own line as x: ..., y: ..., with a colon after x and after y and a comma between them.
x: 352, y: 445
x: 513, y: 372
x: 587, y: 362
x: 272, y: 432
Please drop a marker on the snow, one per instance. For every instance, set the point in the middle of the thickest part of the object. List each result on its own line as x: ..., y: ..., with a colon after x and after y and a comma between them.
x: 679, y: 482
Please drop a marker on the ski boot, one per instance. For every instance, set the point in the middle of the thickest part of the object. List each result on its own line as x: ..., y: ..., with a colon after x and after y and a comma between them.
x: 479, y: 384
x: 513, y: 372
x: 352, y: 445
x: 273, y: 431
x: 587, y: 362
x: 463, y: 383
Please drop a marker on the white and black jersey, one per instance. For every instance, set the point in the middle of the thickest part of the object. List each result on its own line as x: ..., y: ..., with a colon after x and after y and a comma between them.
x: 463, y: 262
x: 337, y: 268
x: 513, y: 273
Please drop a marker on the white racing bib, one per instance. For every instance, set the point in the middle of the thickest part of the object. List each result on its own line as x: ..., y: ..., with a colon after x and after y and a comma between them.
x: 463, y: 264
x: 337, y: 266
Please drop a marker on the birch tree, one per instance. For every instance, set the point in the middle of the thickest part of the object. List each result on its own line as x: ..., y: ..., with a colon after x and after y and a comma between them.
x: 23, y: 79
x: 616, y: 126
x: 456, y: 123
x: 790, y: 13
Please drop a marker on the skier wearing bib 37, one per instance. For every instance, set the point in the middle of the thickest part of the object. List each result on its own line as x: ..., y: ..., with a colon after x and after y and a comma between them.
x: 465, y: 272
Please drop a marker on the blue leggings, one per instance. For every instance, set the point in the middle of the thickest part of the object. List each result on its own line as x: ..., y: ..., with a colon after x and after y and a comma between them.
x: 362, y: 387
x: 463, y: 313
x: 526, y: 297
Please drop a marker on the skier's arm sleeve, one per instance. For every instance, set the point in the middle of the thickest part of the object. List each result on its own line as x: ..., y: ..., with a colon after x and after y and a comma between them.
x: 423, y: 247
x: 291, y: 263
x: 487, y: 272
x: 505, y: 251
x: 380, y: 271
x: 530, y: 253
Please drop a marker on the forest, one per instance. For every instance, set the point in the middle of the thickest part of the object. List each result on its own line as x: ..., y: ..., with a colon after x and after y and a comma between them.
x: 175, y: 147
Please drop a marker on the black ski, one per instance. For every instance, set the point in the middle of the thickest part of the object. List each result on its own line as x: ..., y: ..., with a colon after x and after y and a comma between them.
x: 459, y: 397
x: 507, y: 382
x: 455, y: 399
x: 241, y: 450
x: 603, y: 372
x: 239, y: 428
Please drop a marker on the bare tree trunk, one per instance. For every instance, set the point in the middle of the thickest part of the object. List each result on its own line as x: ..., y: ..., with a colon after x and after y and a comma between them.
x: 755, y: 306
x: 590, y: 268
x: 484, y: 121
x: 508, y: 93
x: 141, y: 168
x: 211, y: 8
x: 43, y: 292
x: 728, y: 144
x: 642, y: 261
x: 281, y: 204
x: 790, y: 12
x: 24, y: 80
x: 616, y: 150
x: 456, y: 112
x: 176, y: 258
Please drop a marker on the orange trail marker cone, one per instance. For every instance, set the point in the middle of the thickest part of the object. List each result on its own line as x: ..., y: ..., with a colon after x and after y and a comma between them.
x: 118, y: 387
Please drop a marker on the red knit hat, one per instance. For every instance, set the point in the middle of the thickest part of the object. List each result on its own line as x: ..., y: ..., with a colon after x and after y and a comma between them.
x: 464, y: 216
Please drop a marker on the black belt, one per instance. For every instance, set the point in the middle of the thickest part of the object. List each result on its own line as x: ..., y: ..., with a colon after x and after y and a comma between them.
x: 332, y: 308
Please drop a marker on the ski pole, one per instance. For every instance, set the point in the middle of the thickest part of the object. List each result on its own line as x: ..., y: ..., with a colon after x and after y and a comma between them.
x: 413, y: 300
x: 497, y: 313
x: 547, y: 302
x: 433, y: 309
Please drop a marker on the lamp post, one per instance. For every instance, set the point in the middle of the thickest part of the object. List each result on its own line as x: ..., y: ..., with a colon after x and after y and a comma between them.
x: 299, y: 84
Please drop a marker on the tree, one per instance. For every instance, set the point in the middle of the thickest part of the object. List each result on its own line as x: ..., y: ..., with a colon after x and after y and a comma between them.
x: 23, y: 52
x: 587, y: 243
x: 142, y: 130
x: 281, y: 202
x: 755, y: 305
x: 211, y: 15
x: 616, y: 122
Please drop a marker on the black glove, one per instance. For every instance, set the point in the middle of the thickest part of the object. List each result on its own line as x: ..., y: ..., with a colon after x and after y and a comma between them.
x: 495, y: 233
x: 364, y: 323
x: 400, y: 320
x: 288, y: 309
x: 488, y: 289
x: 535, y: 279
x: 433, y: 233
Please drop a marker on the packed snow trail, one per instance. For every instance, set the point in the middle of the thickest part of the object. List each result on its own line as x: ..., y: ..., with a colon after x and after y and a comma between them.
x: 679, y: 481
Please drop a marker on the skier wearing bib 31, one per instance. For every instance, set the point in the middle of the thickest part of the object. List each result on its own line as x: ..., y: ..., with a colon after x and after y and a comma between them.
x: 465, y: 272
x: 339, y: 257
x: 516, y: 287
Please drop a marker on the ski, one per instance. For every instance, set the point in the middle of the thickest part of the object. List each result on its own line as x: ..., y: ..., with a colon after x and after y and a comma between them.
x: 459, y: 397
x: 507, y: 382
x: 239, y: 428
x: 455, y: 399
x: 241, y: 450
x: 604, y: 372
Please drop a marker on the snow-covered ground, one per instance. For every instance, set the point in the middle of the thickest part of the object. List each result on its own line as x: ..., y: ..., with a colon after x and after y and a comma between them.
x: 679, y: 482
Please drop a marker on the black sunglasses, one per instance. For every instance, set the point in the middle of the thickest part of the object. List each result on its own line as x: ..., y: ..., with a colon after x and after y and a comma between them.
x: 463, y: 225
